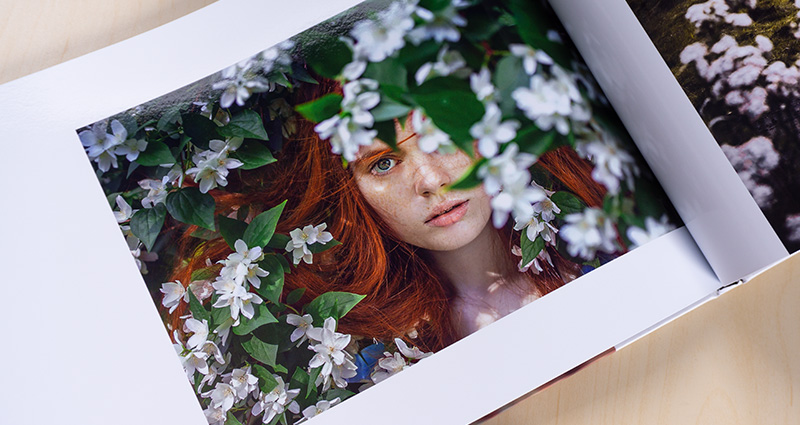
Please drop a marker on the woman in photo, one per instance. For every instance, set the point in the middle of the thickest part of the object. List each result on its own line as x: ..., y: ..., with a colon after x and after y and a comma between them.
x: 429, y: 261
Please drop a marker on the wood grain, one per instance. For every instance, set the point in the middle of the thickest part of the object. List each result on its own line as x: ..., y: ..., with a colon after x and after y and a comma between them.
x: 37, y: 34
x: 732, y: 361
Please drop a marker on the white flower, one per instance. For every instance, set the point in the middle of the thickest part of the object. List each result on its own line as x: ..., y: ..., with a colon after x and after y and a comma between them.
x: 378, y: 39
x: 447, y: 62
x: 302, y: 238
x: 543, y: 104
x: 530, y: 57
x: 517, y: 197
x: 411, y: 353
x: 587, y: 232
x: 359, y: 97
x: 236, y: 297
x: 125, y: 211
x: 212, y: 166
x: 321, y: 406
x: 547, y: 209
x: 242, y: 382
x: 339, y: 375
x: 238, y: 83
x: 224, y: 328
x: 440, y: 26
x: 302, y: 324
x: 429, y: 137
x: 330, y: 349
x: 101, y: 146
x: 536, y: 227
x: 346, y: 136
x: 753, y: 161
x: 215, y: 415
x: 490, y: 131
x: 222, y: 396
x: 157, y: 191
x: 173, y: 292
x: 612, y: 163
x: 389, y: 365
x: 131, y: 148
x: 535, y: 263
x: 200, y: 330
x: 243, y: 264
x: 509, y: 166
x: 653, y: 229
x: 276, y: 401
x: 481, y: 85
x: 211, y: 350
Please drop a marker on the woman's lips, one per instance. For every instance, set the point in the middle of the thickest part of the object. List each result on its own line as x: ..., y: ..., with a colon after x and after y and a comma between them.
x: 450, y: 214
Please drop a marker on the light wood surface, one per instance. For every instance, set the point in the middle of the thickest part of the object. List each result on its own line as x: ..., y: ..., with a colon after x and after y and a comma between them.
x: 732, y: 361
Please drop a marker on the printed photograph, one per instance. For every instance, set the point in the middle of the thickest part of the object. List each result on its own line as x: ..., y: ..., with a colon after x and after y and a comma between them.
x: 737, y: 60
x: 318, y: 217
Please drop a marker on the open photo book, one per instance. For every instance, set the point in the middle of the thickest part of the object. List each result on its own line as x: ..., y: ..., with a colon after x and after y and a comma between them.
x: 384, y: 211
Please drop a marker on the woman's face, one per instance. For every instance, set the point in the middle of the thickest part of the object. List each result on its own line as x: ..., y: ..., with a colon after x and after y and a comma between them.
x: 407, y: 189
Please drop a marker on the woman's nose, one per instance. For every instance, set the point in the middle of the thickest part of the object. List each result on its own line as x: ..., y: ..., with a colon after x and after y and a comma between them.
x: 430, y: 178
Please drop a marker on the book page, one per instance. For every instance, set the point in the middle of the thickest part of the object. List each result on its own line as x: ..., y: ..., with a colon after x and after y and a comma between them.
x: 156, y: 185
x: 709, y: 194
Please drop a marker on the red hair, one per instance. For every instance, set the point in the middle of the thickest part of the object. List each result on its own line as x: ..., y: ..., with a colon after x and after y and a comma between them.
x: 403, y: 290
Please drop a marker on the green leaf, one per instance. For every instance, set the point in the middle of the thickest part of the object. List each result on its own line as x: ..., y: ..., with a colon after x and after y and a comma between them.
x: 266, y: 381
x: 318, y: 247
x: 332, y: 304
x: 389, y: 109
x: 156, y: 153
x: 530, y: 249
x: 189, y: 206
x: 300, y: 74
x: 146, y: 224
x: 535, y: 141
x: 200, y: 129
x: 387, y: 133
x: 279, y: 241
x: 568, y: 203
x: 247, y: 125
x: 295, y: 295
x: 454, y: 111
x: 508, y: 76
x: 261, y: 317
x: 261, y: 351
x: 206, y: 273
x: 533, y: 22
x: 260, y: 230
x: 196, y: 307
x: 389, y: 72
x: 169, y: 118
x: 253, y: 155
x: 301, y: 379
x: 470, y: 178
x: 231, y: 229
x: 341, y: 393
x: 219, y: 315
x: 321, y: 109
x: 434, y: 5
x: 312, y: 380
x: 330, y: 56
x: 272, y: 284
x: 232, y: 419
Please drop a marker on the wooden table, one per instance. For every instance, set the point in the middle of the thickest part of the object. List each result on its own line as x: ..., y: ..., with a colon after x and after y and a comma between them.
x: 734, y: 360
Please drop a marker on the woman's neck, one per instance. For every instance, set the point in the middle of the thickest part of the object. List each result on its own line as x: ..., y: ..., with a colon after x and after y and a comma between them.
x: 476, y: 267
x: 487, y: 285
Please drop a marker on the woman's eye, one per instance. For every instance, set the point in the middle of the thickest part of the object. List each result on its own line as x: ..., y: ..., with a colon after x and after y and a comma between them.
x: 383, y: 165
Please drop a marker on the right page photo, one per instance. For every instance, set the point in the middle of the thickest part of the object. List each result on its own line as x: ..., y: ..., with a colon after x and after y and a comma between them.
x: 737, y: 61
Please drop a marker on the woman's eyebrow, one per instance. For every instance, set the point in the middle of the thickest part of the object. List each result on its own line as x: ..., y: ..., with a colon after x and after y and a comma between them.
x: 374, y: 154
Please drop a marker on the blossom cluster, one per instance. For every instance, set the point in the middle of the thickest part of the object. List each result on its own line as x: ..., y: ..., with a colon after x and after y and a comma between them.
x: 751, y: 94
x: 518, y: 89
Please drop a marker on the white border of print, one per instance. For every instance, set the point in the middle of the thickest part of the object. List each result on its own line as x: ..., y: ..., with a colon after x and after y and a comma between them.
x: 83, y: 337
